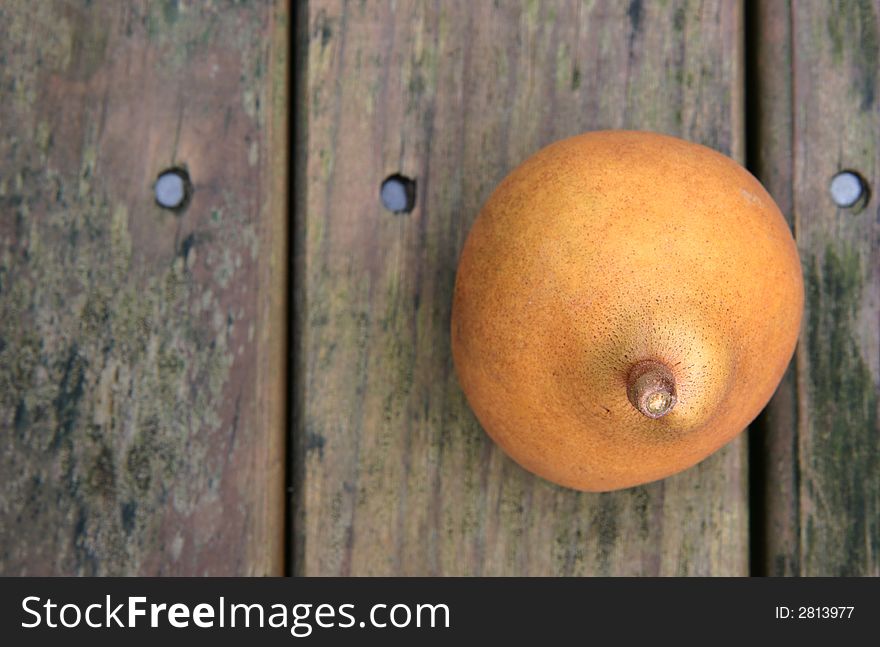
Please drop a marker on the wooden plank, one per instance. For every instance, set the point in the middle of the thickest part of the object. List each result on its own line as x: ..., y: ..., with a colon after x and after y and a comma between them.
x: 142, y: 350
x: 393, y: 474
x: 836, y: 125
x: 774, y: 513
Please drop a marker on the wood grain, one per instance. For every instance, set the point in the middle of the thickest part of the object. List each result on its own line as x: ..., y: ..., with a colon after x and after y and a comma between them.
x: 774, y: 439
x: 141, y: 350
x: 835, y: 124
x: 393, y: 473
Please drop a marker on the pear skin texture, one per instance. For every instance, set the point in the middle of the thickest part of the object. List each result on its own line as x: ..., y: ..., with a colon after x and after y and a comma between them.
x: 605, y: 250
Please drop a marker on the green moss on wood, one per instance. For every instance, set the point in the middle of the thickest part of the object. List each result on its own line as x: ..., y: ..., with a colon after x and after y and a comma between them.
x: 852, y: 32
x: 125, y: 365
x: 844, y: 458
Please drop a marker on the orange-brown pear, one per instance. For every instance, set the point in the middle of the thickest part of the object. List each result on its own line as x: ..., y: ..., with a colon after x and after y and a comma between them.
x: 625, y: 304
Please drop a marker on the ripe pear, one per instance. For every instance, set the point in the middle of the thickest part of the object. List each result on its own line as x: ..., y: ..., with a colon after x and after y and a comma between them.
x: 625, y: 304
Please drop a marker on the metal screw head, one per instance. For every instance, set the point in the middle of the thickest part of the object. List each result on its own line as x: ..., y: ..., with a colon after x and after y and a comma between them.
x: 398, y: 193
x: 172, y: 189
x: 847, y: 189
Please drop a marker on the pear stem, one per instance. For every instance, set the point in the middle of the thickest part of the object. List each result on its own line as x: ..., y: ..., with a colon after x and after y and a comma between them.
x: 651, y: 388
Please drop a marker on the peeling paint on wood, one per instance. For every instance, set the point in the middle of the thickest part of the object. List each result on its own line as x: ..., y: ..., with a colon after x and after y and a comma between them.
x: 141, y: 363
x: 393, y: 474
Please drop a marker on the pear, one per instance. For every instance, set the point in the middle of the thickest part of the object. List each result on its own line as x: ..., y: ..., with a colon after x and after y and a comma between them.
x: 625, y: 304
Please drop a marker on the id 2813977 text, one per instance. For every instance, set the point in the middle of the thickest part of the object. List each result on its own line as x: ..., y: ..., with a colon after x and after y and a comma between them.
x: 815, y: 613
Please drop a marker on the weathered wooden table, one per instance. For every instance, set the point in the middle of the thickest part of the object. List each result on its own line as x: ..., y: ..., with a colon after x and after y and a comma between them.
x: 151, y: 420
